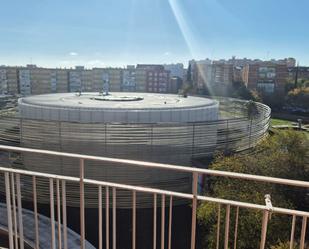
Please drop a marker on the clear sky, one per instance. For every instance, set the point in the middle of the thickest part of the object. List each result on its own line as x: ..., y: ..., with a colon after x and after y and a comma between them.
x: 65, y: 33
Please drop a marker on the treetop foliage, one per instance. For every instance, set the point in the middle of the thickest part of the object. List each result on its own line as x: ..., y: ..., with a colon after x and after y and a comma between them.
x: 283, y: 155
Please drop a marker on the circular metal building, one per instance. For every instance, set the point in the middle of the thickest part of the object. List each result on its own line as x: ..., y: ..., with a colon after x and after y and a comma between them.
x: 118, y: 108
x: 162, y: 128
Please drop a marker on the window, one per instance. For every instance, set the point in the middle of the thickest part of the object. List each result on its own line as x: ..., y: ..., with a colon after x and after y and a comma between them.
x: 266, y: 87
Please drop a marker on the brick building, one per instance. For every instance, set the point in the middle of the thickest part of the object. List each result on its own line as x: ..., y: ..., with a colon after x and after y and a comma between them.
x: 266, y: 77
x: 156, y: 78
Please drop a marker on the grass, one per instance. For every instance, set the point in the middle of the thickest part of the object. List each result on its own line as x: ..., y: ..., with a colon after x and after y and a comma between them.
x: 276, y: 121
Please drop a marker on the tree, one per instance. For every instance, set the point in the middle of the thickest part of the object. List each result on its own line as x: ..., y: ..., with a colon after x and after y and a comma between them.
x: 282, y: 155
x: 252, y: 109
x: 285, y: 245
x: 299, y: 97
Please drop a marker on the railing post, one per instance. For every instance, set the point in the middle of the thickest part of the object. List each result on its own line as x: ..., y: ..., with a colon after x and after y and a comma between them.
x: 20, y: 212
x: 264, y: 229
x: 227, y: 226
x: 100, y: 217
x: 303, y: 233
x: 154, y: 221
x: 218, y: 226
x: 236, y: 227
x: 82, y: 202
x: 170, y: 223
x: 52, y: 213
x: 15, y: 229
x: 162, y: 221
x: 194, y: 209
x: 107, y: 217
x: 114, y: 219
x: 35, y: 207
x: 8, y: 208
x: 64, y: 213
x: 292, y: 232
x: 58, y: 213
x: 134, y: 220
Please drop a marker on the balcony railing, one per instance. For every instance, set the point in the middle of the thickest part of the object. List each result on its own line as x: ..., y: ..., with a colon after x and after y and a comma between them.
x: 58, y: 206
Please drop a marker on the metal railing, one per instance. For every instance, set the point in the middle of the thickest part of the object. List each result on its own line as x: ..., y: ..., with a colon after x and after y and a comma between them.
x: 58, y: 207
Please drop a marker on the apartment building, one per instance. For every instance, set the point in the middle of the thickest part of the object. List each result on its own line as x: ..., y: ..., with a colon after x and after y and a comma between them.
x: 24, y: 81
x: 176, y: 70
x: 241, y: 62
x: 129, y: 79
x: 156, y: 78
x: 222, y: 74
x: 140, y: 79
x: 107, y: 79
x: 87, y: 80
x: 115, y: 79
x: 266, y: 77
x: 9, y: 80
x: 41, y: 81
x: 59, y: 80
x: 208, y: 74
x: 3, y: 81
x: 175, y: 84
x: 75, y: 79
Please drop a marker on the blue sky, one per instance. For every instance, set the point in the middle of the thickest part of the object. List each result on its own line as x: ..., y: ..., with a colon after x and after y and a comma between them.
x: 65, y: 33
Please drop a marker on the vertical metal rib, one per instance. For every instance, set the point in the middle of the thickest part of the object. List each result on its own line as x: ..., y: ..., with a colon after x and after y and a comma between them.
x: 14, y: 211
x: 100, y: 217
x: 35, y: 207
x: 227, y: 226
x: 64, y: 215
x: 292, y: 232
x: 134, y: 220
x: 218, y: 226
x: 162, y: 220
x: 82, y: 203
x: 59, y: 214
x: 8, y: 208
x: 154, y: 221
x: 303, y: 233
x: 194, y: 208
x: 20, y: 212
x: 114, y: 219
x: 107, y: 216
x: 236, y: 227
x: 170, y: 223
x: 264, y: 229
x: 52, y: 213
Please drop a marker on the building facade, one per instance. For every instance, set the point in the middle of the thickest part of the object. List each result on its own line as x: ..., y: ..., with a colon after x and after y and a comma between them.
x: 3, y: 81
x: 214, y: 75
x: 156, y: 78
x: 266, y: 77
x: 24, y: 80
x: 129, y: 79
x: 176, y: 70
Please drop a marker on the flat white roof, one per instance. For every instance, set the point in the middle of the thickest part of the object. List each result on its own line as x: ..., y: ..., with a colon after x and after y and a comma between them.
x: 117, y: 100
x: 118, y: 107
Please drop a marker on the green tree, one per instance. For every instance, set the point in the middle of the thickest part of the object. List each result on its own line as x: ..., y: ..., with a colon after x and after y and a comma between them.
x: 284, y: 245
x: 282, y: 155
x: 252, y: 109
x: 299, y: 97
